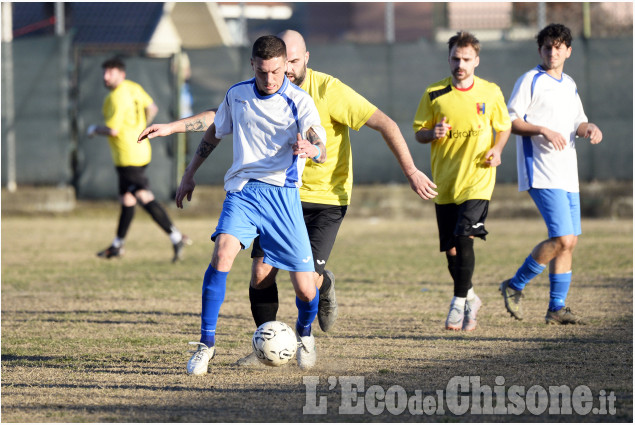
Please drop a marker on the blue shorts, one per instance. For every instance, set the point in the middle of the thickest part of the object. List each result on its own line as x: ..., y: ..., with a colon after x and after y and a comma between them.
x: 560, y: 210
x: 275, y: 214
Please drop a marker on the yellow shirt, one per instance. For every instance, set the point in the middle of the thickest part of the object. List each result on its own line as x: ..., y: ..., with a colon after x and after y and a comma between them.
x: 124, y: 111
x: 340, y: 108
x: 458, y: 167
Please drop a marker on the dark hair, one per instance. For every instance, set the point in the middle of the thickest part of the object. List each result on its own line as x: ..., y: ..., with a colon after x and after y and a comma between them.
x: 464, y: 39
x: 268, y: 47
x: 115, y: 62
x: 557, y: 33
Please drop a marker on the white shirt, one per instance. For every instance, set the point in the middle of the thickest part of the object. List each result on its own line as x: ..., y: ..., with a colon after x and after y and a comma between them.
x: 540, y: 99
x: 264, y: 129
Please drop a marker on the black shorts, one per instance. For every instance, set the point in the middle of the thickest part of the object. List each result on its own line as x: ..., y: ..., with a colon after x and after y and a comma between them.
x: 322, y: 223
x: 132, y: 179
x: 466, y: 219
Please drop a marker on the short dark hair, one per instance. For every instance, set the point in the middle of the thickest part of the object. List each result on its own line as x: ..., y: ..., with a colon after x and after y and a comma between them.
x: 464, y: 39
x: 268, y: 47
x: 115, y: 62
x: 557, y: 33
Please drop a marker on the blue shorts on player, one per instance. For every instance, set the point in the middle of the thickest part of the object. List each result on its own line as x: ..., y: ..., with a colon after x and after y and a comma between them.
x: 560, y: 210
x: 275, y: 214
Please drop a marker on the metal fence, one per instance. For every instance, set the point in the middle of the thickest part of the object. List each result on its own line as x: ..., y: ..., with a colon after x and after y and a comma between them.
x: 49, y: 110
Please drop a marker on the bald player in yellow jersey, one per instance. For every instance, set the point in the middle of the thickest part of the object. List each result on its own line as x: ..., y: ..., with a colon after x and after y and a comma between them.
x: 457, y: 115
x: 327, y: 187
x: 127, y: 109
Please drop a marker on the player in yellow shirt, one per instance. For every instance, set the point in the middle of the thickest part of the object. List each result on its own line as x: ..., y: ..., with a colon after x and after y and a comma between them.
x: 457, y: 115
x: 326, y: 189
x: 127, y: 109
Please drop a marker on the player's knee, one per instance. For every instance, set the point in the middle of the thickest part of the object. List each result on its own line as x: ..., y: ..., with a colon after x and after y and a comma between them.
x: 566, y: 243
x: 306, y: 294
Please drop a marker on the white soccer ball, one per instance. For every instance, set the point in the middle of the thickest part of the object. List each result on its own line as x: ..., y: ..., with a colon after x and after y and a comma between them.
x: 274, y: 343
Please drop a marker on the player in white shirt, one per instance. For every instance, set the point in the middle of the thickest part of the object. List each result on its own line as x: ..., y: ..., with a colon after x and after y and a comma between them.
x: 547, y: 115
x: 268, y: 118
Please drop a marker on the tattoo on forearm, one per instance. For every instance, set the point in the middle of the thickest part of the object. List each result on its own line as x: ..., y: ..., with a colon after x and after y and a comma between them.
x: 204, y: 149
x: 198, y: 124
x: 312, y: 137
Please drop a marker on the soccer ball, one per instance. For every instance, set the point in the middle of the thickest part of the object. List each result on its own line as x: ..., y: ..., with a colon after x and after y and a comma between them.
x: 274, y: 343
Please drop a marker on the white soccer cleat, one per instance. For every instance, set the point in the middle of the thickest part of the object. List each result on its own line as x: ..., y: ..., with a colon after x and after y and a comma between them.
x: 306, y: 354
x: 454, y: 322
x: 471, y: 310
x: 200, y: 359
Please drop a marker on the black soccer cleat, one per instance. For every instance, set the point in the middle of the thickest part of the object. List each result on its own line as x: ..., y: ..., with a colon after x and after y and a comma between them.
x: 111, y: 252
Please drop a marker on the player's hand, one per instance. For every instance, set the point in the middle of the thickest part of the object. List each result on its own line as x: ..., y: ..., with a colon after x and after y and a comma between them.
x: 155, y: 130
x: 556, y: 139
x: 422, y: 185
x: 441, y: 129
x: 304, y: 148
x: 186, y: 188
x: 593, y: 132
x: 493, y: 158
x: 91, y: 131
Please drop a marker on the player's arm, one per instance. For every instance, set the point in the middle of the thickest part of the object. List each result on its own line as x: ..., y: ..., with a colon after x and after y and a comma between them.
x: 389, y: 130
x: 207, y: 145
x: 523, y: 128
x: 100, y: 130
x: 313, y: 147
x: 493, y: 156
x: 439, y: 131
x: 196, y: 123
x: 151, y: 112
x: 591, y: 131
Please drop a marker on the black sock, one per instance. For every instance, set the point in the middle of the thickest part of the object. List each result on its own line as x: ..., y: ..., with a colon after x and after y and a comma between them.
x: 125, y: 218
x: 451, y: 265
x: 464, y: 265
x: 159, y: 215
x: 264, y: 304
x: 326, y: 283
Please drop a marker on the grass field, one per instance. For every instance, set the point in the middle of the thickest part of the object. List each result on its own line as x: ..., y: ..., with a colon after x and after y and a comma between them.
x: 88, y: 340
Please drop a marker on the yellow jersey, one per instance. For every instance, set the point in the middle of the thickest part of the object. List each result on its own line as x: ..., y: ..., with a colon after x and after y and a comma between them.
x: 124, y: 111
x: 458, y: 167
x: 340, y: 108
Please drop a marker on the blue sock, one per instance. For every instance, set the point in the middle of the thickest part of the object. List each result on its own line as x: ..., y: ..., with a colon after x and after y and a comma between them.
x: 214, y: 284
x: 558, y: 290
x: 306, y: 314
x: 525, y: 273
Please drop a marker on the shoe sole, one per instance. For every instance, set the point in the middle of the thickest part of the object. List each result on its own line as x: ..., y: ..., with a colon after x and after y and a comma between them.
x: 509, y: 310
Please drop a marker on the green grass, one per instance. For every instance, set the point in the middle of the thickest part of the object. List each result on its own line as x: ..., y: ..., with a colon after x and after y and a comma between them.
x: 88, y: 340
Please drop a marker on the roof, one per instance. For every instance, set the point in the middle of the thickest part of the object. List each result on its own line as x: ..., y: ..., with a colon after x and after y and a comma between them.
x: 118, y: 23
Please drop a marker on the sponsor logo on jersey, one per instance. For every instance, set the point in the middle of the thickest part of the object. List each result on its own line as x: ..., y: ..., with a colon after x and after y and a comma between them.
x: 480, y: 108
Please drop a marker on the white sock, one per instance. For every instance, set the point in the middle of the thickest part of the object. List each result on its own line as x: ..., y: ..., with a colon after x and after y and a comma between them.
x: 117, y: 243
x: 175, y: 236
x: 471, y: 294
x: 459, y: 302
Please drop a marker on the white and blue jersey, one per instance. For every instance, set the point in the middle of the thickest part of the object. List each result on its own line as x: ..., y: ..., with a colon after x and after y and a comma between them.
x: 542, y: 100
x: 264, y: 129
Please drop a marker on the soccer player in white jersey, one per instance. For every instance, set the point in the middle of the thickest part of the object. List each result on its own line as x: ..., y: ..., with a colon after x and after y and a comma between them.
x: 547, y: 115
x: 268, y: 118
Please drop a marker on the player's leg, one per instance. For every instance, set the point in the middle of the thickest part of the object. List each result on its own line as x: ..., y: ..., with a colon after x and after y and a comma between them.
x: 159, y: 214
x: 323, y: 223
x: 560, y: 270
x: 470, y: 224
x: 447, y: 216
x: 128, y: 203
x: 235, y: 231
x: 307, y: 299
x: 285, y: 241
x: 263, y: 289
